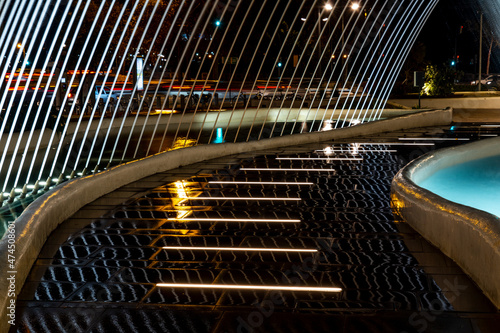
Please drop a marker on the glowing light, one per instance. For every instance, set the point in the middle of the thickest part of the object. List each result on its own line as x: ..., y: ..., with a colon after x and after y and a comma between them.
x: 182, y: 142
x: 259, y: 183
x: 283, y: 169
x: 321, y: 158
x: 328, y: 126
x: 355, y: 149
x: 328, y: 6
x: 158, y: 111
x: 251, y: 287
x: 329, y: 151
x: 436, y: 139
x: 183, y: 213
x: 243, y: 198
x: 181, y: 193
x: 260, y: 249
x: 219, y: 136
x: 202, y: 219
x: 397, y: 143
x: 355, y: 6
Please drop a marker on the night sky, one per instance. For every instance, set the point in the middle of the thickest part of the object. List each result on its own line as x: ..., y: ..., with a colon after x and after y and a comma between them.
x: 453, y: 29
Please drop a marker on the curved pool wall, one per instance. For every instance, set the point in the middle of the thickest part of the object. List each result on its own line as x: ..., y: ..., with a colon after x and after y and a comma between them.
x: 43, y: 216
x: 469, y: 236
x: 474, y: 183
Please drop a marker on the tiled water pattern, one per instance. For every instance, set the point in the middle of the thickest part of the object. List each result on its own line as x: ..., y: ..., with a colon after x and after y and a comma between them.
x: 104, y: 277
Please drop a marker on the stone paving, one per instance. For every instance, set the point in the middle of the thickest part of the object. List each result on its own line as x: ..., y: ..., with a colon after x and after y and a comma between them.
x: 314, y: 216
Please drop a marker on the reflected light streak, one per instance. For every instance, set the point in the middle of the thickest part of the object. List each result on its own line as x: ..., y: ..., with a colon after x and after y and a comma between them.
x: 436, y: 139
x: 291, y: 169
x: 233, y: 220
x: 360, y: 151
x: 259, y: 183
x: 157, y: 111
x: 181, y: 193
x: 321, y: 158
x: 243, y: 198
x: 183, y: 213
x: 355, y: 149
x: 251, y: 287
x: 397, y: 143
x: 259, y: 249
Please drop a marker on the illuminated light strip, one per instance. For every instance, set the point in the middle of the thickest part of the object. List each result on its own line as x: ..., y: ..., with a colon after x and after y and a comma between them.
x: 322, y: 158
x: 251, y: 287
x: 259, y: 183
x: 291, y: 169
x: 492, y: 126
x: 397, y: 143
x: 243, y: 198
x: 359, y: 151
x: 261, y: 249
x: 488, y: 134
x: 232, y: 220
x: 436, y: 139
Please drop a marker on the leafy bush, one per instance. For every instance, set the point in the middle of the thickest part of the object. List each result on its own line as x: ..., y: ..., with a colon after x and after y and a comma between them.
x: 438, y: 81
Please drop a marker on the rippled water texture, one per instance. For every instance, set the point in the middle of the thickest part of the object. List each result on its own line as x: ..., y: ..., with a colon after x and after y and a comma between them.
x: 475, y: 183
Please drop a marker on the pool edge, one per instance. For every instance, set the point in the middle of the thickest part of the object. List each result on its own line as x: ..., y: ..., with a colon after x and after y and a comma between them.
x: 469, y: 236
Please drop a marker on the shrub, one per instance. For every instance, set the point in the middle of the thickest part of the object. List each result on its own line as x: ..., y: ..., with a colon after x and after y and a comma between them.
x: 438, y: 81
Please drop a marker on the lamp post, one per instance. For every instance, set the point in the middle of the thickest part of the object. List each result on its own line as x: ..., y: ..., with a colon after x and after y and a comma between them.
x: 354, y: 6
x: 20, y: 46
x: 480, y: 50
x: 328, y: 7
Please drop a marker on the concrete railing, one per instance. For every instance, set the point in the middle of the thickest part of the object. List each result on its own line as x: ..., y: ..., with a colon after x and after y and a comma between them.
x: 469, y: 236
x: 36, y: 223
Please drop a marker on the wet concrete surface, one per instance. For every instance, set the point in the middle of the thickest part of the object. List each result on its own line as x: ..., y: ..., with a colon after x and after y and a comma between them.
x: 325, y: 221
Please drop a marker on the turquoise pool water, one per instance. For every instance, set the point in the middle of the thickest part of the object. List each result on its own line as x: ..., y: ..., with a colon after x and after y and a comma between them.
x: 475, y: 183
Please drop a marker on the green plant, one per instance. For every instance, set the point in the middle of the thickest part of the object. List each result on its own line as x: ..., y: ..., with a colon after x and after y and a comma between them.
x: 438, y: 81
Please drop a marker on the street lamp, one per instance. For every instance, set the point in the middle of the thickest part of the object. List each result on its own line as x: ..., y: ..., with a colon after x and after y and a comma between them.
x: 328, y: 7
x: 354, y: 6
x: 20, y: 46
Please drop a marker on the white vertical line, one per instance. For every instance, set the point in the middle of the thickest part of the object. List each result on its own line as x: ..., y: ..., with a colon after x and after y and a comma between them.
x: 28, y: 81
x: 112, y: 60
x: 70, y: 48
x: 49, y: 81
x: 80, y: 86
x: 18, y: 81
x: 89, y: 93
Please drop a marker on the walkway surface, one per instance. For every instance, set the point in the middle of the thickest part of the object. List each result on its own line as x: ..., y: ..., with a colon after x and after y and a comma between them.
x: 314, y: 216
